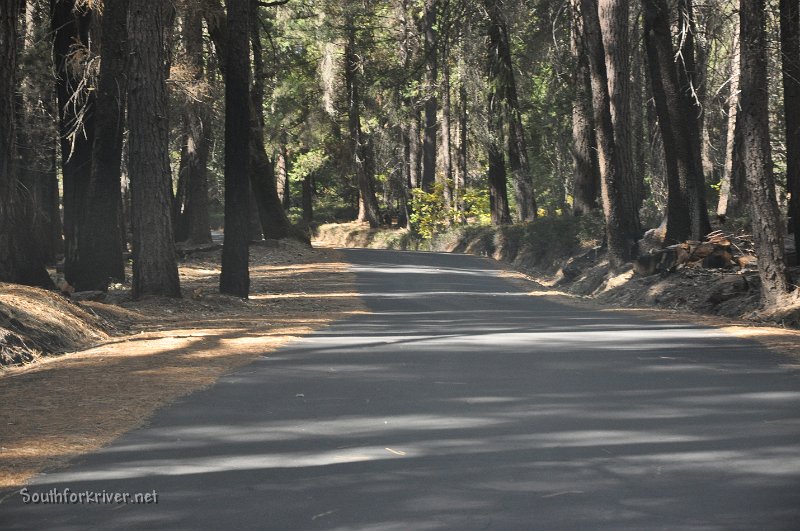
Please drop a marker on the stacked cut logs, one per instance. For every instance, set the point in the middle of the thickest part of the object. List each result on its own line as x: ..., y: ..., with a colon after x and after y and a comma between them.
x: 718, y: 251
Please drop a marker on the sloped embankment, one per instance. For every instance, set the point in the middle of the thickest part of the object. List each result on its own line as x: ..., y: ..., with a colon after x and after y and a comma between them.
x: 35, y: 322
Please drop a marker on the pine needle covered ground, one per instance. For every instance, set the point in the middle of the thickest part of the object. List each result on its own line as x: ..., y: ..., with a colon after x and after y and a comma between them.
x: 145, y: 354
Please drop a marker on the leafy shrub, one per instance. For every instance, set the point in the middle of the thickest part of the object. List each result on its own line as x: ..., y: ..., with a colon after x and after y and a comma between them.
x: 428, y: 213
x: 476, y: 205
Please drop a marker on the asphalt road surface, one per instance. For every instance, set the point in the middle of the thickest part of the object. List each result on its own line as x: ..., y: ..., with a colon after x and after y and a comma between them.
x: 461, y: 403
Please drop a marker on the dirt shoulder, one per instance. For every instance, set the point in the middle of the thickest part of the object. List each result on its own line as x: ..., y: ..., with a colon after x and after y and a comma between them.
x: 148, y: 353
x: 783, y: 340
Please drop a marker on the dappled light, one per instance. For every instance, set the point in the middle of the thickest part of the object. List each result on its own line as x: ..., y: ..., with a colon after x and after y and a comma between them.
x: 453, y: 412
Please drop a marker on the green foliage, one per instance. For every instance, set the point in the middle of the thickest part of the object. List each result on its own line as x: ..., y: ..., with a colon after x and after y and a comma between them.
x: 428, y: 213
x: 477, y: 206
x: 430, y: 218
x: 306, y: 164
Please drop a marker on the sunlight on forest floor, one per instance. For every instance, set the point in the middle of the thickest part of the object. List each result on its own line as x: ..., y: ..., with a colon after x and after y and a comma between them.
x: 65, y: 406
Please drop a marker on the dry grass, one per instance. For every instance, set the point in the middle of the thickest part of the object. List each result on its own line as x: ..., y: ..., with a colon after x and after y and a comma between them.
x: 61, y: 407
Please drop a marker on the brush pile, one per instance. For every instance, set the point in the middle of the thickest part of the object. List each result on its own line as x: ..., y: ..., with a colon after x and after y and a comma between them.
x: 717, y: 251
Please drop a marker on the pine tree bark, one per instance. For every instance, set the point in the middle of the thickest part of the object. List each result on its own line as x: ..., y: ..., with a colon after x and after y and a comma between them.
x: 447, y: 154
x: 767, y: 229
x: 414, y: 155
x: 235, y: 277
x: 614, y: 18
x: 409, y: 129
x: 516, y: 147
x: 411, y: 139
x: 685, y: 211
x: 100, y: 244
x: 192, y: 211
x: 9, y: 14
x: 274, y: 222
x: 71, y: 27
x: 621, y: 231
x: 790, y: 54
x: 690, y: 80
x: 307, y: 199
x: 155, y: 270
x: 431, y: 102
x: 194, y: 162
x: 463, y: 145
x: 368, y: 202
x: 36, y: 151
x: 269, y: 208
x: 638, y: 112
x: 586, y: 174
x: 498, y: 190
x: 20, y: 261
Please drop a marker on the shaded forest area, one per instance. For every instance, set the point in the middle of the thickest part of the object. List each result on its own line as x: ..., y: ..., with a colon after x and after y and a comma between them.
x: 128, y: 127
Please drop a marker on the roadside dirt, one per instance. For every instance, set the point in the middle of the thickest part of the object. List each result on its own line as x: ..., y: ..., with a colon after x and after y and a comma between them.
x: 150, y: 352
x: 783, y: 340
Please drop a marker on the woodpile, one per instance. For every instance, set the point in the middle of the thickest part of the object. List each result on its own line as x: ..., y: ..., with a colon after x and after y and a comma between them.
x: 718, y: 251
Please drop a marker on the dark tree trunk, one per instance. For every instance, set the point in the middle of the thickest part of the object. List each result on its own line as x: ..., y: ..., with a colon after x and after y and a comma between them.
x: 498, y: 195
x: 368, y: 203
x: 192, y: 211
x: 274, y: 221
x: 447, y: 154
x: 155, y: 270
x: 767, y: 230
x: 431, y: 103
x: 621, y: 232
x: 9, y: 14
x: 463, y: 146
x: 414, y: 155
x: 308, y: 198
x: 498, y: 192
x: 586, y: 176
x: 36, y: 166
x: 790, y: 53
x: 638, y: 99
x: 270, y: 208
x: 614, y: 19
x: 235, y: 278
x: 409, y: 136
x: 257, y: 211
x: 76, y: 122
x: 20, y: 260
x: 690, y: 80
x: 197, y: 206
x: 686, y: 215
x: 516, y: 146
x: 411, y: 140
x: 100, y: 244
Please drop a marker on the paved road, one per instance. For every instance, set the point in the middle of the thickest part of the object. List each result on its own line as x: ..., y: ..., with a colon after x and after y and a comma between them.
x: 460, y: 403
